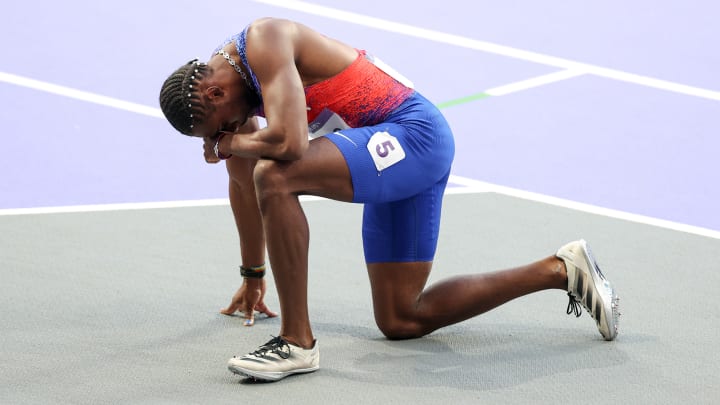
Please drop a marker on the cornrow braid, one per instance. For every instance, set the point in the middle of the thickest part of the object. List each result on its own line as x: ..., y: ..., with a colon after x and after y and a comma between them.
x: 179, y: 98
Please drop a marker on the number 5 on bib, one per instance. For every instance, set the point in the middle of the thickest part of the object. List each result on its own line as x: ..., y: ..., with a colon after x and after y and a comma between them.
x: 385, y: 150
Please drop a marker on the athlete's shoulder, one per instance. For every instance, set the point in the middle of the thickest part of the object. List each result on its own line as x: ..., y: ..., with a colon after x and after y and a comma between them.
x: 271, y: 26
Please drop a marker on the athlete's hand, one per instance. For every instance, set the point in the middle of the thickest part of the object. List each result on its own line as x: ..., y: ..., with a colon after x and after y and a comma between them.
x: 209, y: 150
x: 248, y: 299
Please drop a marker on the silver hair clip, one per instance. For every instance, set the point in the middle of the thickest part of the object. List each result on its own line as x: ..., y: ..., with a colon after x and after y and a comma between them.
x: 197, y: 64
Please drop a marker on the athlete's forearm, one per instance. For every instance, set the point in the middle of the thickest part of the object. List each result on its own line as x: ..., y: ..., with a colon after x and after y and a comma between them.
x: 265, y: 143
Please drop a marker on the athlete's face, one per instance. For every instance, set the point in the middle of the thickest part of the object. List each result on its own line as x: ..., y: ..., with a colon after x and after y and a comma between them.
x: 224, y: 118
x: 225, y: 111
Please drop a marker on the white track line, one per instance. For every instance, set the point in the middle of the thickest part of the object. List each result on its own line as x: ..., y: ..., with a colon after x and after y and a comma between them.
x: 66, y: 209
x: 438, y: 36
x: 409, y: 30
x: 534, y: 82
x: 80, y: 95
x: 469, y: 186
x: 475, y: 185
x: 113, y: 207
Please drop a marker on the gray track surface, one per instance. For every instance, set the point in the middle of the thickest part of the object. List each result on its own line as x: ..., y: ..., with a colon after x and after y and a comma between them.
x: 122, y: 307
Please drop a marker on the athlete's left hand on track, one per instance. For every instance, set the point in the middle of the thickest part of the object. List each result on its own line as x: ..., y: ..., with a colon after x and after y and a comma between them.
x: 248, y: 299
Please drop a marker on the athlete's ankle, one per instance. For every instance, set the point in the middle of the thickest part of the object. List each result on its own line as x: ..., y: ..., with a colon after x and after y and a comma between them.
x: 559, y: 272
x: 306, y: 342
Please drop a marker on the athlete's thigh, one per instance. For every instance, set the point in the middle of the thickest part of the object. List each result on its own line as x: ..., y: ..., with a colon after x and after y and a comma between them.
x: 406, y: 230
x: 321, y: 171
x: 389, y: 161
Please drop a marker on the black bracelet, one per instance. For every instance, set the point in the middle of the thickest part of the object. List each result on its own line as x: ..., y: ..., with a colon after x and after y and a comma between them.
x: 253, y: 272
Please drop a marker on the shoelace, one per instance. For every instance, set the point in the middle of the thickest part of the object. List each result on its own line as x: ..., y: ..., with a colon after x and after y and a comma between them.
x: 574, y: 306
x: 275, y: 345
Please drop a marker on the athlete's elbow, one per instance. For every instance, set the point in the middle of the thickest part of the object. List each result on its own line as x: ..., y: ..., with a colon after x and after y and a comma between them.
x: 286, y: 144
x: 294, y: 147
x: 294, y: 150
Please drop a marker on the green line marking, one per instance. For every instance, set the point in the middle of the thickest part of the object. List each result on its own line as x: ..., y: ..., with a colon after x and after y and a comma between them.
x: 463, y: 100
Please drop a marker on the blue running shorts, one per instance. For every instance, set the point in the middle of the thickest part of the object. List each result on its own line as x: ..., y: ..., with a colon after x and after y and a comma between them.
x: 399, y: 170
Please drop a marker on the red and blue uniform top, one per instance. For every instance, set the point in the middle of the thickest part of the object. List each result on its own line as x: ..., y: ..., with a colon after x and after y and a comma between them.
x: 362, y: 94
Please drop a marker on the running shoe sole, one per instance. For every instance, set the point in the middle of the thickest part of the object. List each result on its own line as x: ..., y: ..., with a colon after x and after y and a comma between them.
x: 269, y: 375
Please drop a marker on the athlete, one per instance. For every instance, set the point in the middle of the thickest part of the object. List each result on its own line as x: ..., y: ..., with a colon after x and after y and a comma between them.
x: 343, y: 125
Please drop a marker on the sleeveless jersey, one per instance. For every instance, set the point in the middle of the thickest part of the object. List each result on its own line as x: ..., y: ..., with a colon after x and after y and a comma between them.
x: 362, y: 94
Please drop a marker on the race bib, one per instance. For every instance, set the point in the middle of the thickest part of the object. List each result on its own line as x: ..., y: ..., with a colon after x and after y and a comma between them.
x: 325, y: 123
x: 385, y: 150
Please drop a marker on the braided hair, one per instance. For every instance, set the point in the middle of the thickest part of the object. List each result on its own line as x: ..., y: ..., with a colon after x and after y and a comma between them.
x: 179, y: 98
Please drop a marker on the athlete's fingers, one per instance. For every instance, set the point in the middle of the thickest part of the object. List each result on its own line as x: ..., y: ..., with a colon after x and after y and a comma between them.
x: 249, y: 310
x: 231, y: 309
x: 262, y: 308
x: 209, y: 152
x: 236, y: 303
x: 234, y: 306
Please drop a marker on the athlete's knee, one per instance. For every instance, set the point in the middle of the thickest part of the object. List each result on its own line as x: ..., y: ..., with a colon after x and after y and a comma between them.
x: 270, y: 179
x: 395, y: 327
